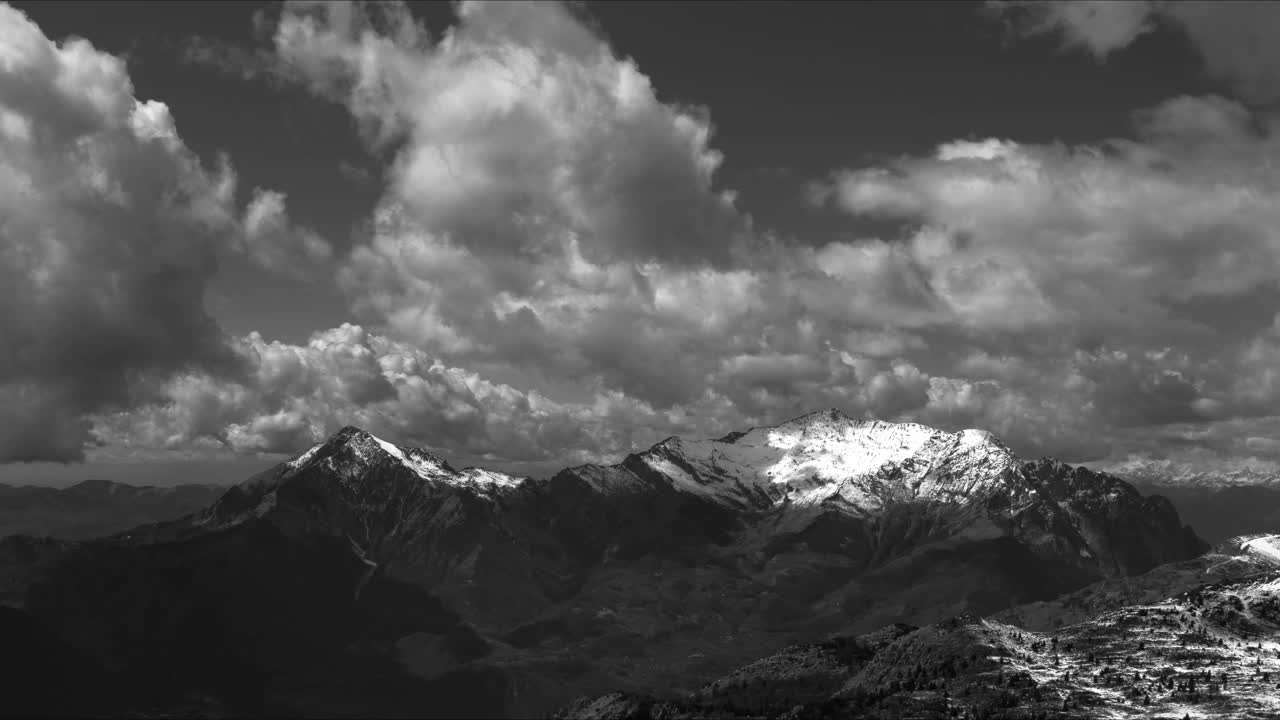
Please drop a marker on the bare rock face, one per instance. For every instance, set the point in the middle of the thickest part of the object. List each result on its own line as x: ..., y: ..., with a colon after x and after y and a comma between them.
x: 1126, y: 532
x: 622, y: 576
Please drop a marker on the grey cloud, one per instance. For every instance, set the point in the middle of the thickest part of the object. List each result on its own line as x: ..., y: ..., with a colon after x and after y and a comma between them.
x: 1235, y: 38
x: 274, y: 243
x: 37, y: 424
x: 1101, y: 27
x: 295, y: 395
x: 108, y: 238
x: 111, y: 230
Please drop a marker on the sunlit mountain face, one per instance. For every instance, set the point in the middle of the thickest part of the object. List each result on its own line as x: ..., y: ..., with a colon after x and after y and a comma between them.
x: 628, y: 359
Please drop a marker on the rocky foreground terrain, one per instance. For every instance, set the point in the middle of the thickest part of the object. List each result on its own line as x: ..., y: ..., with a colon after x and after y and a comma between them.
x: 1211, y: 652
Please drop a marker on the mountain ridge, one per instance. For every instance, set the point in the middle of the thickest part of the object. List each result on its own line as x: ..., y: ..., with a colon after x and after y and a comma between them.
x: 96, y: 508
x: 608, y: 575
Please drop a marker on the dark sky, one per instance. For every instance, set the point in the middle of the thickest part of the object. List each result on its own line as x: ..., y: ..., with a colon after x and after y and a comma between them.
x: 1089, y: 330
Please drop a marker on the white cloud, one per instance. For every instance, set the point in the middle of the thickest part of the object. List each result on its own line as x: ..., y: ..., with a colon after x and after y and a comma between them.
x: 519, y: 127
x: 553, y: 277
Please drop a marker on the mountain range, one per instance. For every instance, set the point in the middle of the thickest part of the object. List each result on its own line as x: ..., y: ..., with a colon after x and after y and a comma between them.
x: 362, y: 577
x: 95, y: 508
x: 1169, y: 473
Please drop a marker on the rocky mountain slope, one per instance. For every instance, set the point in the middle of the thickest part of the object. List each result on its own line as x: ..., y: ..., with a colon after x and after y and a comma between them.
x: 1239, y: 559
x: 599, y: 577
x: 1211, y: 652
x: 96, y: 508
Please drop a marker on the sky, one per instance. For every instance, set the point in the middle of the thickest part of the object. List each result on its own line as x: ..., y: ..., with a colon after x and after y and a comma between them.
x: 528, y: 236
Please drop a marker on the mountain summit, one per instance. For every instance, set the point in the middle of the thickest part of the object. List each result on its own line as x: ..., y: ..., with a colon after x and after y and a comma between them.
x: 829, y: 457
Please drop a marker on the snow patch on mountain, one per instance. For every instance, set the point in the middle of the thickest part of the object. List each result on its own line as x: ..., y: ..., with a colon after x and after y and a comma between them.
x: 828, y: 455
x: 489, y: 478
x: 363, y: 447
x: 304, y: 458
x: 1263, y: 546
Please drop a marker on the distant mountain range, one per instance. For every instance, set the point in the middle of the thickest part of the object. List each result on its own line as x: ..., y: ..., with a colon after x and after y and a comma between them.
x: 1175, y: 474
x: 366, y: 578
x: 95, y: 508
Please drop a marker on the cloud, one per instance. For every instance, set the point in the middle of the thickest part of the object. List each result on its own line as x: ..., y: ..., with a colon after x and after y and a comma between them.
x: 553, y: 277
x: 1235, y: 39
x: 274, y: 243
x: 520, y: 239
x: 1098, y: 26
x: 1096, y: 241
x: 110, y: 229
x: 1140, y: 273
x: 520, y: 124
x: 295, y: 395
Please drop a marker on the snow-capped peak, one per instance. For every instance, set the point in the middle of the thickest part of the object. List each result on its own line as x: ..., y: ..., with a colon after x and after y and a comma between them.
x: 821, y: 456
x: 356, y: 449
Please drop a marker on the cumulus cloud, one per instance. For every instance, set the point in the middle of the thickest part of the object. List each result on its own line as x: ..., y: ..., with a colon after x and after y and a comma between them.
x: 552, y: 275
x: 110, y: 229
x: 1123, y: 269
x: 519, y: 123
x: 551, y: 222
x: 1119, y: 238
x: 295, y: 395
